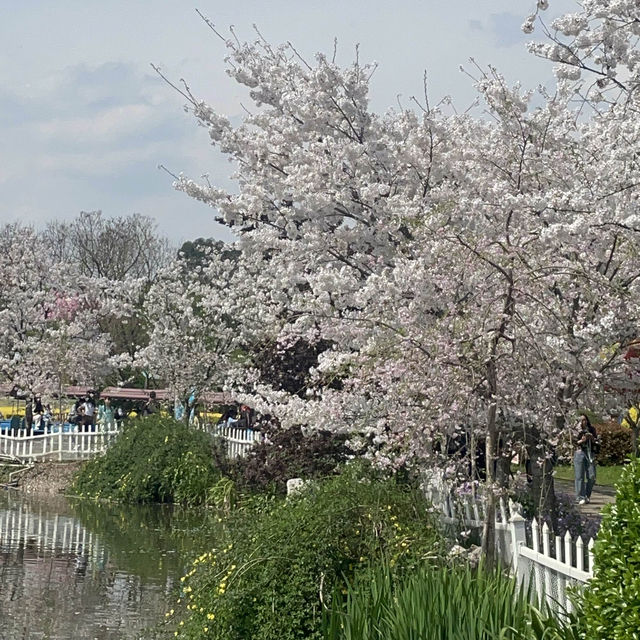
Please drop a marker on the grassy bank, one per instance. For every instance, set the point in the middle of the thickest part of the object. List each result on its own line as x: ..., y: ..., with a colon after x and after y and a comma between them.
x: 605, y: 476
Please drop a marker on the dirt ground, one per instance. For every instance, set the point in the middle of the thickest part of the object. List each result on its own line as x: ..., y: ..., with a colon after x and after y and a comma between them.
x: 48, y: 477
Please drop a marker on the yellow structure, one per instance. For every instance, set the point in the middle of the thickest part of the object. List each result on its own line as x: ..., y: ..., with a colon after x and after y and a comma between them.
x: 631, y: 417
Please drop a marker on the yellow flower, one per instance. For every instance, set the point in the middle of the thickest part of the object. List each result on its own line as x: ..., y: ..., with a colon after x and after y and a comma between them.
x: 210, y: 616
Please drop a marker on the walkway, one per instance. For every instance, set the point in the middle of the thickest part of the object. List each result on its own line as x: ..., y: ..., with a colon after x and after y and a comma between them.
x: 600, y: 496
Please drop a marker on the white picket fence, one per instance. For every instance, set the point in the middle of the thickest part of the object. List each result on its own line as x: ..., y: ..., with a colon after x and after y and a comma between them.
x: 74, y: 444
x: 547, y: 563
x: 77, y: 444
x: 239, y: 441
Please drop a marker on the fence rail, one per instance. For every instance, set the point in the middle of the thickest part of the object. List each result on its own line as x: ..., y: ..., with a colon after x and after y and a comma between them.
x: 76, y: 444
x: 239, y: 441
x: 547, y: 563
x: 57, y: 444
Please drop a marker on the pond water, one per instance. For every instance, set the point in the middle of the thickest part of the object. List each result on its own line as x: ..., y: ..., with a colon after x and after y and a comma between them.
x: 76, y: 569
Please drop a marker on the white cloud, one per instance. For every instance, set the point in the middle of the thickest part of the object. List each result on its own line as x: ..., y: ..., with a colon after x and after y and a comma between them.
x: 84, y: 121
x: 106, y: 126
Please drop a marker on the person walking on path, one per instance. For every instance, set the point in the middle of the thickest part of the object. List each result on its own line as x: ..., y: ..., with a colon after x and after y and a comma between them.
x: 584, y: 461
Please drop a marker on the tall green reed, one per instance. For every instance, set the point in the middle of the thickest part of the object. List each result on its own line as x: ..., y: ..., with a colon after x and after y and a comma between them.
x: 439, y: 603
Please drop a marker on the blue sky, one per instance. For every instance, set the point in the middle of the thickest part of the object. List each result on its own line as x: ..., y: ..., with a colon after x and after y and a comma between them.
x: 85, y: 122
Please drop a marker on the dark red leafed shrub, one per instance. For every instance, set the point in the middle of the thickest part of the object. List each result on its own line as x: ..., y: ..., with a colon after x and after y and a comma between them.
x: 288, y: 453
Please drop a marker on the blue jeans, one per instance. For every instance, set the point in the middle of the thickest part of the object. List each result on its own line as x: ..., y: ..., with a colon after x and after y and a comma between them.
x: 585, y: 474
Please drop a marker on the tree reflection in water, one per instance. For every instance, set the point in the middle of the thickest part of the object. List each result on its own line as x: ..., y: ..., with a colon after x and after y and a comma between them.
x: 77, y: 569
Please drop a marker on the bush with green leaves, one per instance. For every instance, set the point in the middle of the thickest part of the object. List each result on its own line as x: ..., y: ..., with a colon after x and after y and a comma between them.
x: 434, y: 602
x: 280, y: 564
x: 154, y: 459
x: 612, y: 597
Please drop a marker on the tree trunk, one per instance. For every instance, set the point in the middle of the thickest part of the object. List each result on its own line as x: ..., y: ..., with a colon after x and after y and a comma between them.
x: 489, y: 525
x: 542, y: 485
x: 503, y: 468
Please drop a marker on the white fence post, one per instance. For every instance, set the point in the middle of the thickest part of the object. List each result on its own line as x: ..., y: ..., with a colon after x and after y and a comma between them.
x: 517, y: 526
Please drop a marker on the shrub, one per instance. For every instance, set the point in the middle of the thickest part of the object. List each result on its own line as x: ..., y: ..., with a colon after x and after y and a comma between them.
x: 434, y: 602
x: 615, y: 443
x: 153, y: 460
x: 612, y: 597
x: 278, y: 565
x: 288, y: 453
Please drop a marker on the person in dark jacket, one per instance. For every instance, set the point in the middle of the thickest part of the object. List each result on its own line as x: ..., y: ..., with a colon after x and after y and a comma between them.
x: 151, y: 405
x: 584, y: 459
x: 28, y: 417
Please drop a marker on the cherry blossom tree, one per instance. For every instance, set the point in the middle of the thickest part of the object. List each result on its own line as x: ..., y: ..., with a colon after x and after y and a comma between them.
x: 49, y: 331
x: 467, y: 275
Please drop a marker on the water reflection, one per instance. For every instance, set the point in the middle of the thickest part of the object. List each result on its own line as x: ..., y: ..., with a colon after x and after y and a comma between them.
x: 82, y: 570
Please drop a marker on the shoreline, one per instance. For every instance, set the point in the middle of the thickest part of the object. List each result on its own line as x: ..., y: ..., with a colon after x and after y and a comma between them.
x: 48, y: 478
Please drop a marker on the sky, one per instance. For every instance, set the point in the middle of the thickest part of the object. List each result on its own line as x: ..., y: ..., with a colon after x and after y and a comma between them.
x: 85, y: 122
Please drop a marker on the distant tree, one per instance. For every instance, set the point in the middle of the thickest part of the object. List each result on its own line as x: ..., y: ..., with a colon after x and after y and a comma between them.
x: 50, y: 332
x: 194, y: 254
x: 194, y: 340
x: 114, y: 248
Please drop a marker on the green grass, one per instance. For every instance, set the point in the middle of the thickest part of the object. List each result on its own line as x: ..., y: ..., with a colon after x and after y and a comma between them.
x: 605, y: 476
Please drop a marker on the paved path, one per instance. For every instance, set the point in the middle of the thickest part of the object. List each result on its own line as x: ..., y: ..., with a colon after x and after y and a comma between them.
x: 600, y: 496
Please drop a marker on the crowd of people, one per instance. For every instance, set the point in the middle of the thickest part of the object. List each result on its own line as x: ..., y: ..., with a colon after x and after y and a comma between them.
x: 86, y: 414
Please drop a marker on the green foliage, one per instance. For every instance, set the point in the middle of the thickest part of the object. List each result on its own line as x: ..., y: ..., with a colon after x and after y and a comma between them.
x: 281, y: 560
x: 154, y: 459
x: 434, y: 602
x: 615, y: 444
x: 612, y: 597
x: 223, y: 495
